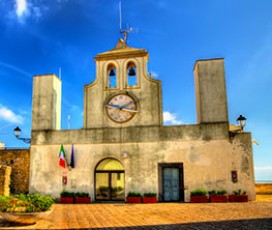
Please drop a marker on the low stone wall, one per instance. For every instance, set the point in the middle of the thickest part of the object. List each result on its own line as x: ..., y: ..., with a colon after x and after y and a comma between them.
x: 19, y: 161
x: 5, y: 172
x: 262, y: 189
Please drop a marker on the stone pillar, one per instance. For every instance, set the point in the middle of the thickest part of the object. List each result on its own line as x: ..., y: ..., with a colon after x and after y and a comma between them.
x: 210, y: 86
x: 5, y: 172
x: 46, y: 102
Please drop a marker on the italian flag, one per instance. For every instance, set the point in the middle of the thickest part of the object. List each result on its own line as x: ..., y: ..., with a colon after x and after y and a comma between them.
x: 62, y: 161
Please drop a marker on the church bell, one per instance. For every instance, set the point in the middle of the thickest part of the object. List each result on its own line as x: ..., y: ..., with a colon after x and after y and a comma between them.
x: 131, y: 72
x: 112, y: 73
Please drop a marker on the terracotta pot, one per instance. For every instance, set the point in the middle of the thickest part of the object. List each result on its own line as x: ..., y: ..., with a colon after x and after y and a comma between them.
x: 83, y: 200
x: 199, y: 199
x: 134, y: 199
x: 218, y: 198
x: 149, y: 200
x: 238, y: 198
x: 67, y: 200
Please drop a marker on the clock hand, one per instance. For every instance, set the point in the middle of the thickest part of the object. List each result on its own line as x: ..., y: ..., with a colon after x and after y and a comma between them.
x: 125, y: 105
x: 113, y: 106
x: 129, y: 110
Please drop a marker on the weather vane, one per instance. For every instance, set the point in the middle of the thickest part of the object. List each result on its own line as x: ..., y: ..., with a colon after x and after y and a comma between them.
x: 124, y: 32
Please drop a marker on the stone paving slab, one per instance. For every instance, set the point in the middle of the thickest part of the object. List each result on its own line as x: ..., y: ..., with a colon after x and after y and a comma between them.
x: 251, y: 215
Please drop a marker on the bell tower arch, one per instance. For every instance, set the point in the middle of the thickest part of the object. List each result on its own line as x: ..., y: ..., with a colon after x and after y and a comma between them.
x: 123, y: 87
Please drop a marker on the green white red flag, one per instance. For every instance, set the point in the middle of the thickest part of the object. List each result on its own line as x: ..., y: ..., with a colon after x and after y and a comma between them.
x: 62, y: 161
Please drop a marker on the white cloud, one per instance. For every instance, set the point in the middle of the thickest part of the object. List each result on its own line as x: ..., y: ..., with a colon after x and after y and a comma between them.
x: 171, y: 118
x: 15, y: 68
x: 154, y: 75
x: 21, y: 8
x: 9, y: 116
x: 28, y: 8
x: 263, y: 168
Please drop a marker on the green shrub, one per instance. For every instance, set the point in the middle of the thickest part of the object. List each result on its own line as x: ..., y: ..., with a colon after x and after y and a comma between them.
x: 199, y: 192
x: 5, y: 203
x: 212, y: 193
x: 239, y: 192
x: 26, y: 203
x: 134, y: 194
x: 82, y: 194
x: 150, y: 194
x: 65, y: 193
x: 221, y: 192
x: 218, y: 192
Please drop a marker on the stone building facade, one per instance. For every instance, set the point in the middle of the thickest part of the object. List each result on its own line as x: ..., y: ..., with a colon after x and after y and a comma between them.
x: 124, y: 146
x: 18, y: 163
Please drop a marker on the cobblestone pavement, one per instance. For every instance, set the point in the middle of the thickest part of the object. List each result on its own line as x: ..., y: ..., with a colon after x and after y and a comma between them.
x: 251, y: 215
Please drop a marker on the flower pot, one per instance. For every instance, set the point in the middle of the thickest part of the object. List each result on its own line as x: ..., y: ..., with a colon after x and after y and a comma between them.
x: 83, y: 200
x: 198, y: 199
x: 133, y: 199
x: 149, y: 200
x: 238, y: 198
x: 218, y: 198
x: 67, y: 200
x: 24, y: 217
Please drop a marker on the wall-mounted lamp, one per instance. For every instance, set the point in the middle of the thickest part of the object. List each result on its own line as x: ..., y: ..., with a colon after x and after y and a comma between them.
x: 125, y: 154
x: 241, y: 120
x: 17, y: 133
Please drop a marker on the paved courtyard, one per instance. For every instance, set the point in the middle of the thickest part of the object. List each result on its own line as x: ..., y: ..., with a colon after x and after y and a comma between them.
x: 251, y: 215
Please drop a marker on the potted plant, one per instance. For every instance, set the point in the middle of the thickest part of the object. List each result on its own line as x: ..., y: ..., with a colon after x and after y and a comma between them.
x: 218, y: 196
x: 82, y: 198
x: 150, y: 198
x: 134, y: 197
x: 238, y: 196
x: 25, y: 208
x: 67, y: 197
x: 199, y: 196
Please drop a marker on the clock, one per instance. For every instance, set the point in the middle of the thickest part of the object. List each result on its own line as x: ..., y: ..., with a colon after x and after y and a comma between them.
x: 121, y: 108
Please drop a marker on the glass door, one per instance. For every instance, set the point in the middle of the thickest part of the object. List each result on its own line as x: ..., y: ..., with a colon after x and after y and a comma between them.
x: 102, y: 186
x: 110, y: 186
x: 109, y: 180
x: 171, y: 184
x: 117, y: 186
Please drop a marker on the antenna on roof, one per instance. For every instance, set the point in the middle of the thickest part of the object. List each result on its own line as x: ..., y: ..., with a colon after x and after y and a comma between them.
x: 60, y: 73
x: 68, y: 121
x: 124, y: 32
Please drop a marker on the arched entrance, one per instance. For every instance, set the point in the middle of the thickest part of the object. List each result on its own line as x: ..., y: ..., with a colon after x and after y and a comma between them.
x: 109, y: 181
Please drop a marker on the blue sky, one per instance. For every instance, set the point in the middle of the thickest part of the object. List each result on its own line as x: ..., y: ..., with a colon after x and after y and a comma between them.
x: 39, y: 36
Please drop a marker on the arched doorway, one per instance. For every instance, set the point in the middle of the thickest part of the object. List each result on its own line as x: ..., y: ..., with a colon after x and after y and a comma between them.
x: 109, y: 181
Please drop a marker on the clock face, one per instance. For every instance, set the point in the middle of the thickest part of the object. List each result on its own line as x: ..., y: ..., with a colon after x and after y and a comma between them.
x: 121, y: 108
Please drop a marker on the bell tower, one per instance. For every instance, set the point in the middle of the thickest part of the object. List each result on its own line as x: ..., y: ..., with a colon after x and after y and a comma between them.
x: 123, y: 93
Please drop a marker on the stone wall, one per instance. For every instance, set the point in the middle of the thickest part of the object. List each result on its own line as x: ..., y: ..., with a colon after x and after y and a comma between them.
x: 19, y: 161
x: 262, y: 189
x: 5, y: 172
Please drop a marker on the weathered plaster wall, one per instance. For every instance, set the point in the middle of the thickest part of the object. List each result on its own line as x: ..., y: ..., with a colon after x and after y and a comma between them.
x: 207, y: 162
x: 46, y: 102
x: 211, y: 95
x: 213, y: 131
x: 19, y: 161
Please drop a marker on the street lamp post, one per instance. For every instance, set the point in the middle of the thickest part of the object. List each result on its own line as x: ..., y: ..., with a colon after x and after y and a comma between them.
x: 241, y: 120
x: 17, y: 133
